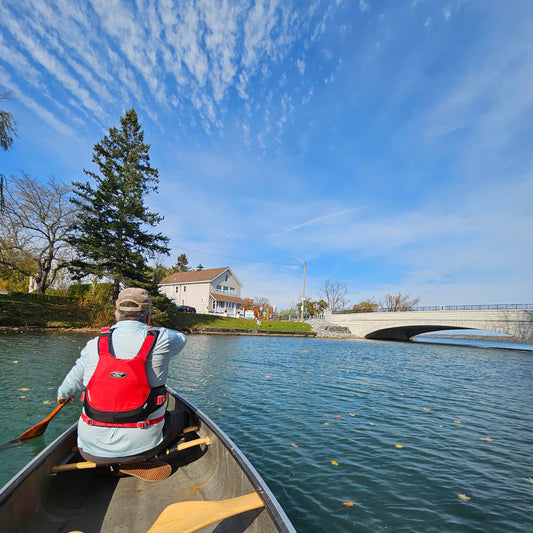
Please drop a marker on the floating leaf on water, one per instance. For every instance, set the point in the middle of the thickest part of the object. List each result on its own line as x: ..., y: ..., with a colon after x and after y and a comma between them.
x: 337, y: 416
x: 15, y: 362
x: 398, y: 446
x: 351, y: 414
x: 325, y: 424
x: 348, y: 504
x: 530, y: 479
x: 457, y: 421
x: 295, y: 445
x: 24, y: 389
x: 371, y: 424
x: 48, y: 402
x: 426, y: 408
x: 486, y: 439
x: 334, y: 463
x: 463, y: 497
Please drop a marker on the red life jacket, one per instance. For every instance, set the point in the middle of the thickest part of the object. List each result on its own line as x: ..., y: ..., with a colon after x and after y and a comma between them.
x: 118, y: 393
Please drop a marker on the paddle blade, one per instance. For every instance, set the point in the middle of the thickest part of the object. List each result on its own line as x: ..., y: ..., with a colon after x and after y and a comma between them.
x: 40, y: 428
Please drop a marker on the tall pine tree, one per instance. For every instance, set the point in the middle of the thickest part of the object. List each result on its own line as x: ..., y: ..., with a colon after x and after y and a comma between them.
x: 111, y: 237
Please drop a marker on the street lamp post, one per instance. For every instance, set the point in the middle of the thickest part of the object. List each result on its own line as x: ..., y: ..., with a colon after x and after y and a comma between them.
x: 303, y: 291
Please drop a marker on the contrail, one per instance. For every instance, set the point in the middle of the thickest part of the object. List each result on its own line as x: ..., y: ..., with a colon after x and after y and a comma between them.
x: 314, y: 220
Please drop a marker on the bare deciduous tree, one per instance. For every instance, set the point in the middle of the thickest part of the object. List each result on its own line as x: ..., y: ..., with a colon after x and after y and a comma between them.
x: 335, y: 294
x: 397, y: 302
x: 34, y: 227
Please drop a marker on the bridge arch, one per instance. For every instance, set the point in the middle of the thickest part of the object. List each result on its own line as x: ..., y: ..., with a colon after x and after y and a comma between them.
x: 403, y: 325
x: 405, y: 333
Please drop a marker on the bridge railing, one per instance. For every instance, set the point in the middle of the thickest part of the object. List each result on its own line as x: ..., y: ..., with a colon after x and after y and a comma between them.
x: 472, y: 307
x: 482, y: 307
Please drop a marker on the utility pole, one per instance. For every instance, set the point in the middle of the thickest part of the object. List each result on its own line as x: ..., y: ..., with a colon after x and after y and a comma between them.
x: 303, y: 291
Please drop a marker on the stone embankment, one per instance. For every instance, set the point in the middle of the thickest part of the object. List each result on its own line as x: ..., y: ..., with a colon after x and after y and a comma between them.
x: 327, y: 330
x: 261, y: 332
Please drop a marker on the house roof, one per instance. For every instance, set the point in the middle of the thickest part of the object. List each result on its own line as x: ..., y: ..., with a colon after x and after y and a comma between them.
x: 226, y: 298
x: 193, y: 276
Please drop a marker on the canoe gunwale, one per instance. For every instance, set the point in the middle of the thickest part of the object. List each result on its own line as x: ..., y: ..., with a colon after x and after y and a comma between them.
x: 40, y: 459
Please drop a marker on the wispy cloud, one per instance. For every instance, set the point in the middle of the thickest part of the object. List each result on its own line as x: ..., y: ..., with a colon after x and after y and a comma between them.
x: 195, y: 57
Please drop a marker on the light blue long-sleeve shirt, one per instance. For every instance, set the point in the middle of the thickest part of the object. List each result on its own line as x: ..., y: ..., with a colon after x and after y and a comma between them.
x: 128, y: 337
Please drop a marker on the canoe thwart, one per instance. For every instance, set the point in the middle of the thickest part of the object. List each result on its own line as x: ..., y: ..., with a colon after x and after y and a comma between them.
x: 191, y: 443
x: 186, y: 517
x: 88, y: 464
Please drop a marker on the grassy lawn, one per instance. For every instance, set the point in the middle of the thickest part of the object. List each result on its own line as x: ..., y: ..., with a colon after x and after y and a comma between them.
x: 22, y: 310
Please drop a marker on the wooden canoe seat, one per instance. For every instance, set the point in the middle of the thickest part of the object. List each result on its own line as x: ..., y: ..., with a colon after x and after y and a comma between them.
x: 186, y: 517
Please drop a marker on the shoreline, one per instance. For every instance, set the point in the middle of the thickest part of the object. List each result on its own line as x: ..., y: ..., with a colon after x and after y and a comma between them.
x: 318, y: 333
x: 189, y: 331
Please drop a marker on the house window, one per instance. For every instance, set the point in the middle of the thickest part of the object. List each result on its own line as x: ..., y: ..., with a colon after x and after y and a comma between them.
x: 177, y: 289
x: 184, y: 288
x: 226, y: 278
x: 232, y: 290
x: 225, y: 288
x: 218, y: 287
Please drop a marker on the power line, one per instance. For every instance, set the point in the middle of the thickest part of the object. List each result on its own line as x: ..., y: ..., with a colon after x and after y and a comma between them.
x: 236, y: 258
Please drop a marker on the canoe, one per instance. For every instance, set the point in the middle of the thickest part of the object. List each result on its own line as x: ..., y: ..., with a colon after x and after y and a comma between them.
x: 209, y: 486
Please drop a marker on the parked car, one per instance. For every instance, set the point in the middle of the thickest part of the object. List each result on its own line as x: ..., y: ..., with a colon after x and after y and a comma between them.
x: 186, y: 309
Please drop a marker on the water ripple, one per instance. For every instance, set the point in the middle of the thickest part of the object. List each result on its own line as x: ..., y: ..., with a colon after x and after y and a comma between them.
x: 418, y: 437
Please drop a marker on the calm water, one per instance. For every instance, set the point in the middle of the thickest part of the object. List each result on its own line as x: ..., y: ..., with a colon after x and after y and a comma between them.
x: 399, y: 430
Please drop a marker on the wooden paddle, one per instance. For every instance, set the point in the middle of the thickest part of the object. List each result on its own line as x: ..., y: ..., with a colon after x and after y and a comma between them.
x: 40, y: 428
x: 187, y: 517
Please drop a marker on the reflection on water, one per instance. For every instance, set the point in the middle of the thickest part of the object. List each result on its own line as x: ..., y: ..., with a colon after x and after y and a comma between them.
x: 418, y: 437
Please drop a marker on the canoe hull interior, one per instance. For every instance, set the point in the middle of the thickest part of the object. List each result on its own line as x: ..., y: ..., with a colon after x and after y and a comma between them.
x: 95, y: 500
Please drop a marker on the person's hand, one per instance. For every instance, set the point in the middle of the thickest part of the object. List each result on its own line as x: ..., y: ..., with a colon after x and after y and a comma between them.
x: 65, y: 400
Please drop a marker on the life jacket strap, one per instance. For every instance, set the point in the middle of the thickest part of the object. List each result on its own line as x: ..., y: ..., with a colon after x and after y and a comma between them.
x: 142, y: 424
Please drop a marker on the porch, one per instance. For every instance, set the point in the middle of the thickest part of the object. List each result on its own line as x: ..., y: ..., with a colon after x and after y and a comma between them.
x: 224, y: 305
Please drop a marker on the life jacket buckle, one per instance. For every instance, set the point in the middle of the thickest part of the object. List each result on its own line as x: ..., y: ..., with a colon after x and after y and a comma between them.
x: 142, y: 424
x: 160, y: 400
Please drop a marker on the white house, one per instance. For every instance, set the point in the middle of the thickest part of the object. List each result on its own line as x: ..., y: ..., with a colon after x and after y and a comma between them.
x: 211, y: 291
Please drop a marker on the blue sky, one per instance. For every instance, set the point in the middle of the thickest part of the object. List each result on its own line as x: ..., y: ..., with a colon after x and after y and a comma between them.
x: 385, y: 143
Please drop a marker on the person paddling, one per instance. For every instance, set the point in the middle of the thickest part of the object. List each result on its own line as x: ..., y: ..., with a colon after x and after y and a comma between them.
x: 123, y: 374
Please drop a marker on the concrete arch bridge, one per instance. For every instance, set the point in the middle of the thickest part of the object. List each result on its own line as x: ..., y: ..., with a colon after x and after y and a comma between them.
x: 402, y: 325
